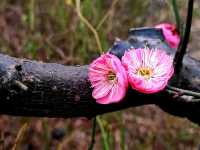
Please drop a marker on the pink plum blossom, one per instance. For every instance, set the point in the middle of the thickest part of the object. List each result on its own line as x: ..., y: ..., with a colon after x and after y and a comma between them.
x: 170, y: 33
x: 148, y: 70
x: 108, y: 78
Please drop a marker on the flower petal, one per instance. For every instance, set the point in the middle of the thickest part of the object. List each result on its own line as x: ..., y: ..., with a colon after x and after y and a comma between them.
x: 107, y: 90
x: 101, y: 90
x: 157, y: 60
x: 170, y: 33
x: 115, y: 95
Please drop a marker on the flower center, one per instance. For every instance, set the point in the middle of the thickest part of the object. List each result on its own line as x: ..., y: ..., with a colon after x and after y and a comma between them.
x: 111, y: 76
x: 145, y: 72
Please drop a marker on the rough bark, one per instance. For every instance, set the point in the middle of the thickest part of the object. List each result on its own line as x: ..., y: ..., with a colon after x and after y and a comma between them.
x: 32, y: 88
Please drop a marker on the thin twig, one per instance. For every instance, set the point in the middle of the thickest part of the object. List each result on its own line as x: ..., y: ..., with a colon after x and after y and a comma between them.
x: 87, y: 23
x: 20, y: 135
x: 185, y: 98
x: 175, y: 93
x: 20, y: 85
x: 195, y: 100
x: 183, y: 91
x: 185, y: 39
x: 106, y: 15
x: 93, y: 134
x: 103, y: 132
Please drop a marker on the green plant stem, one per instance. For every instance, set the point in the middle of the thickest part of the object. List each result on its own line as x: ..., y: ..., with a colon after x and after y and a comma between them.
x: 32, y: 14
x: 89, y: 25
x: 176, y: 14
x: 122, y: 135
x: 45, y: 134
x: 103, y: 132
x: 93, y: 134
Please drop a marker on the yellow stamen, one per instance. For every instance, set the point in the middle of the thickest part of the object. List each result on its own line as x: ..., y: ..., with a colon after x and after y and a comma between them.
x: 146, y: 72
x: 111, y: 76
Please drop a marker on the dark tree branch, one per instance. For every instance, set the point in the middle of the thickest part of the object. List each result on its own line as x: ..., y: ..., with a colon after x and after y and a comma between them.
x: 185, y: 39
x: 54, y: 90
x: 32, y: 88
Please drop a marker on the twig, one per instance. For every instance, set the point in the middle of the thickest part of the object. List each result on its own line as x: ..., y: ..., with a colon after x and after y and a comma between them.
x: 93, y: 134
x: 106, y: 15
x: 84, y: 20
x: 195, y: 100
x: 185, y: 39
x: 183, y: 91
x: 20, y: 136
x: 185, y: 98
x: 104, y: 136
x: 175, y: 93
x: 20, y: 85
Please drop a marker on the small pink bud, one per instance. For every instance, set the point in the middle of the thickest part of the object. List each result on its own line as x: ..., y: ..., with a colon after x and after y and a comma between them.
x: 170, y: 33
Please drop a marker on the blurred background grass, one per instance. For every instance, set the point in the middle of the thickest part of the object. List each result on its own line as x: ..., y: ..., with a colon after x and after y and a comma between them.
x: 51, y: 31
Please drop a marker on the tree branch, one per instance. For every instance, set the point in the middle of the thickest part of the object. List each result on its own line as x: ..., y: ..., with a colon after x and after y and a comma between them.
x: 54, y: 90
x: 33, y: 88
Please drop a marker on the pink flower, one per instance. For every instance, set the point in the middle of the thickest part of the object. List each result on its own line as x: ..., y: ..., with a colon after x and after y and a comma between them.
x: 148, y: 70
x: 108, y: 78
x: 170, y: 33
